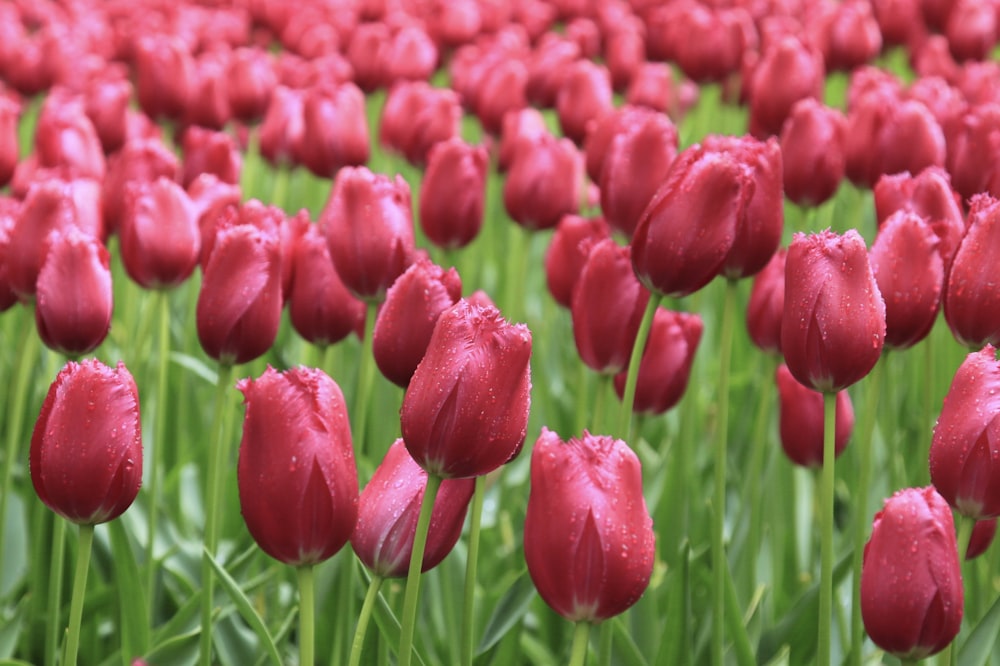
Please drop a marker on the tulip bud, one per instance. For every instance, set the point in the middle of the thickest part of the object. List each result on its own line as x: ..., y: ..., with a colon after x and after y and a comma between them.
x: 522, y: 126
x: 603, y: 131
x: 9, y: 142
x: 852, y: 36
x: 210, y: 151
x: 982, y: 537
x: 139, y: 160
x: 501, y: 90
x: 971, y: 158
x: 8, y: 214
x: 833, y: 325
x: 452, y: 193
x: 282, y: 128
x: 972, y: 296
x: 410, y: 55
x: 388, y: 512
x: 767, y: 303
x: 86, y: 449
x: 548, y: 66
x: 625, y: 53
x: 416, y: 117
x: 706, y: 42
x: 654, y: 87
x: 208, y: 101
x: 567, y: 253
x: 48, y: 207
x: 252, y: 79
x: 65, y: 138
x: 297, y: 480
x: 334, y: 129
x: 107, y: 105
x: 165, y: 73
x: 160, y: 239
x: 910, y: 140
x: 665, y: 367
x: 789, y: 70
x: 588, y: 536
x: 962, y: 451
x: 812, y: 147
x: 584, y: 96
x: 911, y: 583
x: 801, y: 420
x: 465, y: 411
x: 544, y: 182
x: 972, y: 30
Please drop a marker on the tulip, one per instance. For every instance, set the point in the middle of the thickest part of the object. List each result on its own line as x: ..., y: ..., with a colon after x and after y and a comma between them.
x: 9, y: 146
x: 789, y: 70
x: 416, y: 117
x: 833, y: 325
x: 962, y: 459
x: 707, y: 43
x: 588, y: 536
x: 388, y: 510
x: 866, y: 117
x: 522, y: 126
x: 208, y: 101
x: 252, y: 80
x: 972, y: 296
x: 665, y: 367
x: 982, y: 537
x: 334, y: 129
x: 899, y: 21
x: 48, y: 207
x: 801, y: 420
x: 369, y: 229
x: 86, y: 463
x: 138, y: 160
x: 501, y: 90
x: 366, y: 53
x: 410, y: 55
x: 548, y: 66
x: 603, y: 131
x: 543, y: 183
x: 452, y: 193
x: 65, y: 138
x: 8, y: 214
x: 106, y: 101
x: 465, y: 411
x: 852, y: 36
x: 767, y: 303
x: 625, y: 53
x: 454, y: 23
x: 282, y: 128
x: 971, y: 161
x: 584, y: 96
x: 297, y: 481
x: 812, y: 148
x: 210, y: 151
x: 406, y: 319
x: 972, y: 30
x: 165, y: 73
x: 654, y: 87
x: 911, y: 583
x: 567, y: 253
x: 910, y: 140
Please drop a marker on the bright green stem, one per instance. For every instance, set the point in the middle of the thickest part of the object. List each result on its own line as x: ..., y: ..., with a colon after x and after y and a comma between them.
x: 862, y: 523
x: 55, y: 589
x: 578, y: 653
x: 159, y: 430
x: 363, y: 619
x: 79, y: 592
x: 628, y: 397
x: 965, y: 527
x: 413, y: 575
x: 280, y: 190
x: 518, y: 247
x: 760, y: 444
x: 216, y: 469
x: 826, y: 530
x: 719, y: 500
x: 366, y: 377
x: 307, y: 615
x: 582, y: 396
x: 599, y: 422
x: 604, y: 643
x: 471, y: 564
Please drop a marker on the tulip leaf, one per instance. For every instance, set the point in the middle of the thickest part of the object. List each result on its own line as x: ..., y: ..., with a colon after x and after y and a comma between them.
x: 196, y: 366
x: 735, y: 627
x: 131, y: 594
x: 627, y: 650
x: 14, y: 662
x: 14, y: 549
x: 978, y: 646
x: 245, y: 608
x: 10, y: 630
x: 508, y: 612
x: 675, y: 646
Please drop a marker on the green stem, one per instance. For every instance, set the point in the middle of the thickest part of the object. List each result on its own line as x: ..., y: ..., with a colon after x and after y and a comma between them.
x: 413, y: 575
x: 366, y: 614
x: 578, y: 653
x: 965, y: 526
x: 583, y: 383
x: 280, y: 190
x: 158, y: 447
x: 366, y: 377
x: 55, y: 589
x: 518, y: 247
x: 79, y: 592
x: 604, y: 643
x: 307, y: 615
x: 760, y: 448
x: 599, y: 422
x: 217, y: 455
x: 471, y: 564
x: 826, y: 530
x: 628, y: 397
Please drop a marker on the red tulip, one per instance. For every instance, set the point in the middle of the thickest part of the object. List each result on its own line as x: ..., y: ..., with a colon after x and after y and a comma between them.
x: 767, y: 303
x: 801, y: 420
x: 812, y: 147
x: 833, y: 325
x: 165, y: 73
x: 452, y: 193
x: 410, y: 55
x: 208, y: 101
x: 911, y: 583
x: 567, y: 253
x: 9, y: 145
x: 86, y: 463
x: 910, y: 140
x: 454, y: 22
x: 588, y: 536
x: 654, y: 87
x: 852, y: 37
x: 982, y: 537
x: 605, y: 129
x: 899, y: 21
x: 388, y: 511
x: 297, y: 480
x: 501, y: 90
x: 416, y: 117
x: 963, y: 454
x: 625, y: 53
x: 544, y: 182
x: 972, y: 296
x: 366, y: 53
x: 789, y: 70
x: 971, y: 159
x: 66, y: 139
x: 548, y: 66
x: 584, y: 96
x: 282, y: 128
x: 138, y: 160
x: 9, y: 208
x: 867, y: 114
x: 521, y: 126
x: 334, y: 129
x: 369, y: 228
x: 465, y: 411
x: 106, y: 101
x: 209, y: 151
x: 252, y: 80
x: 665, y: 367
x: 972, y: 29
x: 707, y: 43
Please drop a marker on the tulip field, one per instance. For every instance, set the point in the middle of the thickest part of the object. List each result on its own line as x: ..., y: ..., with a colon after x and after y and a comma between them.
x: 542, y: 332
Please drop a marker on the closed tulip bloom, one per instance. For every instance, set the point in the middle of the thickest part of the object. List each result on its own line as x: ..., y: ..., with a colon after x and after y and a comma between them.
x: 972, y: 297
x: 210, y: 151
x: 521, y: 126
x: 366, y: 53
x: 688, y: 229
x: 160, y: 239
x: 501, y: 90
x: 812, y: 148
x: 911, y: 139
x: 971, y: 159
x: 865, y: 119
x: 86, y: 463
x: 789, y: 70
x: 801, y: 420
x: 48, y: 207
x: 544, y: 182
x: 707, y: 43
x: 252, y: 79
x: 9, y: 145
x: 588, y: 536
x: 654, y: 87
x: 208, y: 103
x: 8, y: 215
x: 239, y: 305
x: 410, y: 55
x: 767, y: 303
x: 585, y: 95
x: 568, y: 250
x: 607, y: 307
x: 165, y: 74
x: 138, y: 160
x: 369, y: 228
x: 972, y: 30
x: 665, y: 367
x: 73, y: 299
x: 548, y: 65
x: 465, y: 411
x: 298, y: 483
x: 625, y: 53
x: 416, y: 117
x: 334, y: 129
x: 852, y: 36
x: 452, y: 193
x: 603, y: 131
x: 388, y: 511
x: 282, y: 127
x: 833, y: 325
x: 106, y: 101
x: 66, y: 139
x: 911, y: 582
x: 982, y: 537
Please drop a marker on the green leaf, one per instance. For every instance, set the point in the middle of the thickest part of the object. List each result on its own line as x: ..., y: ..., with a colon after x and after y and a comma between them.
x: 978, y: 646
x: 508, y: 611
x: 196, y: 366
x: 14, y: 549
x: 627, y: 650
x: 734, y: 622
x: 131, y: 595
x: 675, y: 647
x: 10, y: 630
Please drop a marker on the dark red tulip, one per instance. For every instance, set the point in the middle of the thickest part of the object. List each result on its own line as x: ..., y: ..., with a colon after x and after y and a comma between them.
x: 252, y: 79
x: 501, y: 90
x: 366, y: 53
x: 86, y: 463
x: 588, y: 536
x: 812, y: 149
x: 833, y: 325
x: 911, y: 581
x: 604, y: 130
x: 665, y: 367
x: 706, y: 42
x: 982, y: 537
x: 165, y: 74
x: 899, y: 21
x: 282, y: 128
x: 654, y: 87
x: 388, y: 511
x: 688, y: 229
x: 139, y: 160
x: 801, y: 420
x: 544, y: 182
x: 9, y: 146
x: 767, y: 303
x: 851, y: 35
x: 789, y: 70
x: 971, y: 159
x: 406, y: 319
x: 297, y: 479
x: 946, y: 102
x: 334, y: 129
x: 548, y: 66
x: 239, y: 305
x: 452, y: 193
x: 972, y: 296
x: 910, y: 274
x: 910, y: 140
x: 607, y: 306
x: 465, y: 411
x: 160, y: 238
x: 568, y: 251
x: 210, y: 197
x: 584, y: 96
x: 416, y: 117
x: 867, y: 114
x: 369, y: 228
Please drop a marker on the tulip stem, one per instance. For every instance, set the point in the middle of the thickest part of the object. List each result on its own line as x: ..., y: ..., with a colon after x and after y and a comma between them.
x: 760, y: 448
x: 471, y: 564
x: 159, y: 430
x: 578, y: 653
x: 366, y: 614
x: 366, y: 377
x: 628, y: 397
x: 55, y: 588
x: 307, y: 615
x: 413, y: 575
x: 79, y: 592
x: 826, y: 529
x: 964, y: 536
